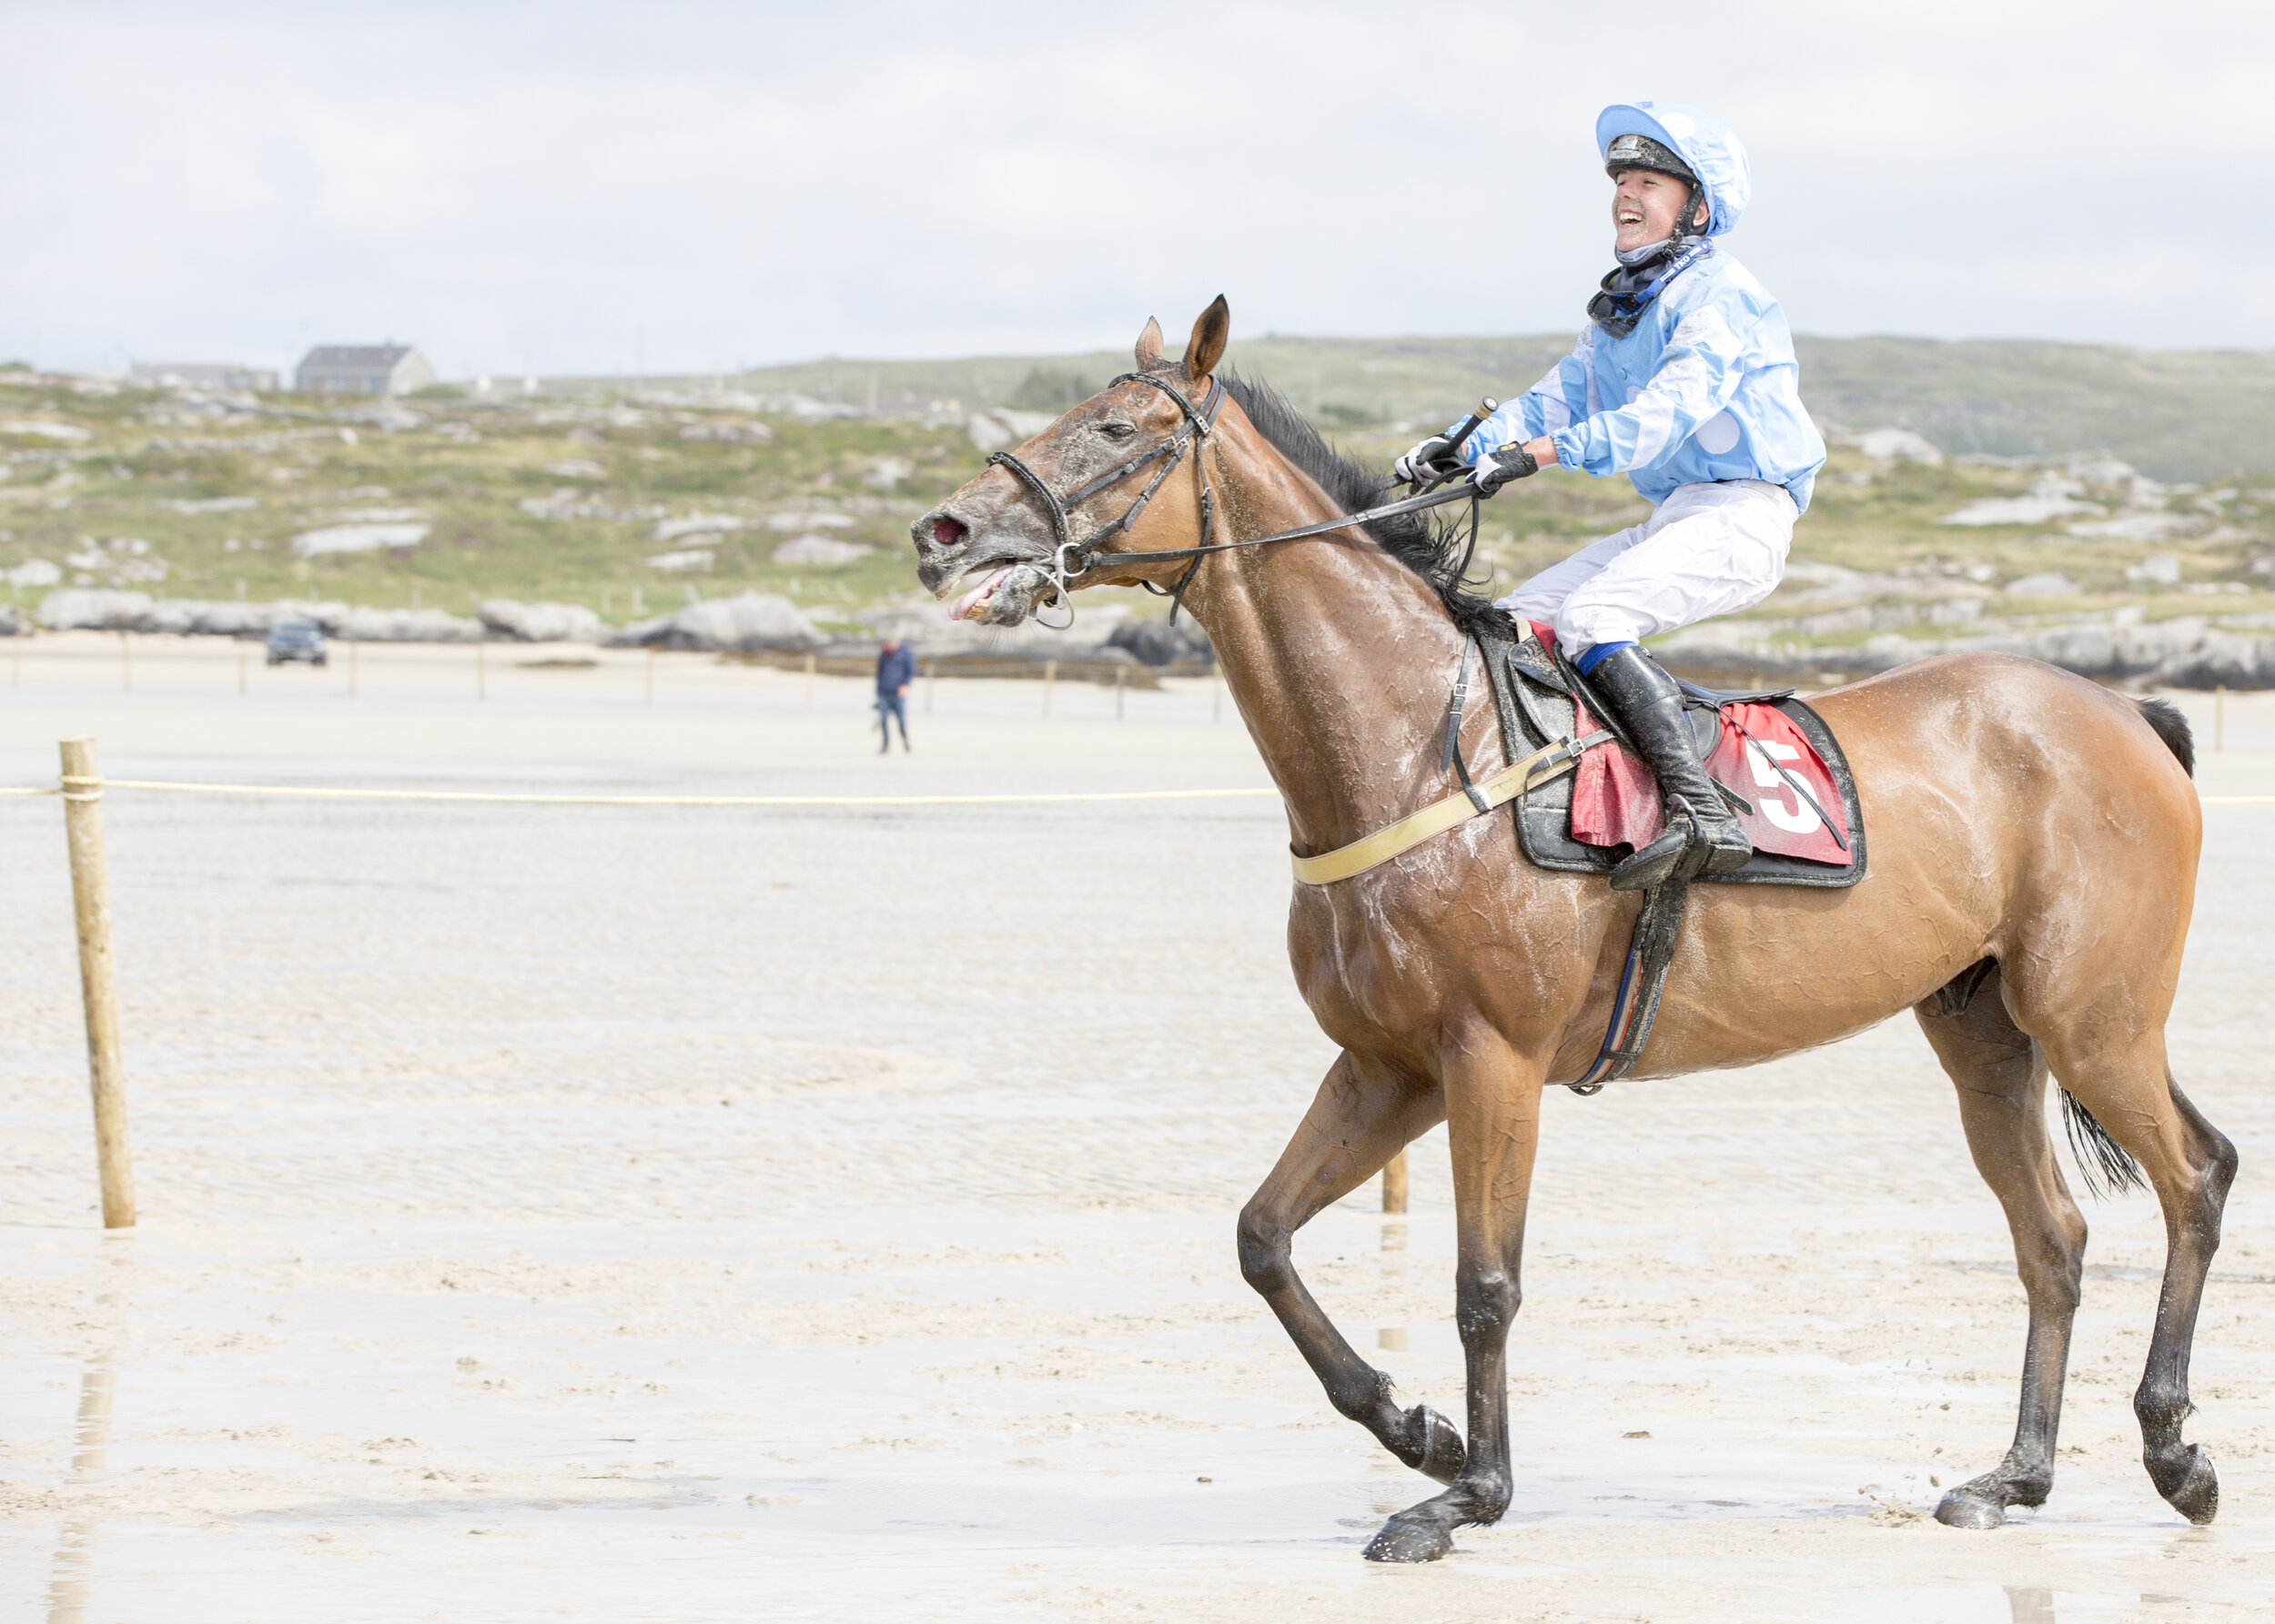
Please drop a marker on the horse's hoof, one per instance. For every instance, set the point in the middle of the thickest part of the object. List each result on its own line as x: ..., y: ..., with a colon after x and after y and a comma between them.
x: 1442, y: 1455
x: 2197, y: 1495
x: 1960, y: 1510
x: 1408, y: 1540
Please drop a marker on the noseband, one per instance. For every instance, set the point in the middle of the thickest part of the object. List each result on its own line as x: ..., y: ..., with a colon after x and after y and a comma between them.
x: 1070, y: 557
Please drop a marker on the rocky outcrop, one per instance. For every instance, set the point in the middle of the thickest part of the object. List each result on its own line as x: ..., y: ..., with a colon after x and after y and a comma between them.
x: 2189, y: 652
x: 747, y: 622
x: 360, y: 625
x: 925, y: 628
x: 93, y: 609
x: 187, y: 616
x: 90, y: 609
x: 1157, y: 642
x: 541, y: 622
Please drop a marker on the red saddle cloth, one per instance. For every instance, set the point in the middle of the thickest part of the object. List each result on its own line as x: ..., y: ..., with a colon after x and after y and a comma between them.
x: 1615, y: 799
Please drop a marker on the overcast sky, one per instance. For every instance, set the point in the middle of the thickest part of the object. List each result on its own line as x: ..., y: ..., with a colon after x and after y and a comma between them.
x: 691, y: 186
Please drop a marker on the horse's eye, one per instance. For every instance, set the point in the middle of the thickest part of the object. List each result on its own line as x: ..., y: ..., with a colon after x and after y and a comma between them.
x: 1117, y: 431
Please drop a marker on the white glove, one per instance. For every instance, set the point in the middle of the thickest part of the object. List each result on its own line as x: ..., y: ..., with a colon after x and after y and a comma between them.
x: 1428, y: 461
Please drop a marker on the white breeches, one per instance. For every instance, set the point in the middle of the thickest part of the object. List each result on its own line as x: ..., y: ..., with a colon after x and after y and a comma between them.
x: 1710, y: 550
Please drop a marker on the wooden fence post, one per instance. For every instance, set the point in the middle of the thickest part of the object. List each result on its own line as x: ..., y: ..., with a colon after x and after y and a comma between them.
x: 90, y: 895
x: 1394, y: 1184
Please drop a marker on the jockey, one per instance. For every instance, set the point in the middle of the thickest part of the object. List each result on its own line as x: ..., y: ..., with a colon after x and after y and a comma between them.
x: 1685, y: 381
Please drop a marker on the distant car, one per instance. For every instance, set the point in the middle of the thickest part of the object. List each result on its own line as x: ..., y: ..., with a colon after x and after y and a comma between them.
x: 297, y: 640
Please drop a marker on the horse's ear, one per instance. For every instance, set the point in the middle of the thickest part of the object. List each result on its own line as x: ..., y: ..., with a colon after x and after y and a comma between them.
x: 1211, y: 333
x: 1149, y: 346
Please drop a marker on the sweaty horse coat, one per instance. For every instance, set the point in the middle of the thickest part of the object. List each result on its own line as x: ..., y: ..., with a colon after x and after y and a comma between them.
x: 2035, y: 843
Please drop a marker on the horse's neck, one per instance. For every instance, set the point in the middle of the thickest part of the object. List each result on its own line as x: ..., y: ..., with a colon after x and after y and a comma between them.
x: 1339, y: 657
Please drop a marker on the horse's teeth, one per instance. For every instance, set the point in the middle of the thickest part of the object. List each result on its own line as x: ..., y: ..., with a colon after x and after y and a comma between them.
x: 972, y: 602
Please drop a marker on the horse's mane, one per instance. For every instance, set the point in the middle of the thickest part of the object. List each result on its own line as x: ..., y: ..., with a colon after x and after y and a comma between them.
x: 1433, y: 553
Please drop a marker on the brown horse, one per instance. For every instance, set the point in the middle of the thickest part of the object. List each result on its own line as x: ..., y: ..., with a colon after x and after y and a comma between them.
x: 2034, y: 842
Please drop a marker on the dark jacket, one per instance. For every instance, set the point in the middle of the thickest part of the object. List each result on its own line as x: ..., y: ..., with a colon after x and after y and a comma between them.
x: 897, y: 668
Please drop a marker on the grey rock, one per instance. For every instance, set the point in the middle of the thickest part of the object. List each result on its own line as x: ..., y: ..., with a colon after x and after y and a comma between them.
x: 541, y: 622
x: 1885, y: 445
x: 821, y: 551
x: 1157, y: 642
x: 361, y: 625
x: 2047, y: 583
x: 92, y: 608
x: 749, y: 620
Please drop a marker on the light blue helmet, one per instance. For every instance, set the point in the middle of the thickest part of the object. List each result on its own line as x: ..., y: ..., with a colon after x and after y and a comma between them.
x: 1711, y: 149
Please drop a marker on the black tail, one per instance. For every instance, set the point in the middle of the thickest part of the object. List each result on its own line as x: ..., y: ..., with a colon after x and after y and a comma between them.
x: 2102, y: 1162
x: 2173, y: 728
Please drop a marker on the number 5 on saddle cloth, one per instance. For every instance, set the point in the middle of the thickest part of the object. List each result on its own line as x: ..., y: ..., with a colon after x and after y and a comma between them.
x: 1788, y: 779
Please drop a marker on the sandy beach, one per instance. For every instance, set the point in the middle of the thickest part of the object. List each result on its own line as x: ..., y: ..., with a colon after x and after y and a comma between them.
x: 710, y: 1214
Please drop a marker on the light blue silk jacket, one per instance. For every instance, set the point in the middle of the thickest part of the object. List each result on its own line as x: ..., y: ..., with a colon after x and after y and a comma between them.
x: 1706, y: 387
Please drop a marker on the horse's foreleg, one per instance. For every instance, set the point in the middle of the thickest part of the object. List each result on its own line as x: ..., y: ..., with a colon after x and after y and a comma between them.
x: 1492, y: 1105
x: 1357, y: 1121
x: 2001, y: 1079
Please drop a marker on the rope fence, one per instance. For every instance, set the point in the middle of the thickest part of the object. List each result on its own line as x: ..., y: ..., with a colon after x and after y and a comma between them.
x: 507, y: 798
x: 312, y: 793
x: 81, y: 787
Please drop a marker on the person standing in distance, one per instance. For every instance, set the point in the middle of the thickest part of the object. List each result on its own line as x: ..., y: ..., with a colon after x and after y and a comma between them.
x: 897, y: 668
x: 1684, y: 380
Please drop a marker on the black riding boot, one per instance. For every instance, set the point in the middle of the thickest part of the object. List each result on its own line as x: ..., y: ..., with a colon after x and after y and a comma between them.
x: 1700, y: 836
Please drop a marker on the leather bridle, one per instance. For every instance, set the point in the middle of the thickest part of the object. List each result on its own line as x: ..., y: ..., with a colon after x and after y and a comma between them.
x: 1071, y: 558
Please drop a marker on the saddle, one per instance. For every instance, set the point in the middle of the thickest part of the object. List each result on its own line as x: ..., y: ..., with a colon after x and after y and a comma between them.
x: 1804, y: 817
x: 1542, y: 700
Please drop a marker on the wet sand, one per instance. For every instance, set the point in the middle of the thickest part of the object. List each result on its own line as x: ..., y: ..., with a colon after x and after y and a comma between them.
x: 708, y: 1213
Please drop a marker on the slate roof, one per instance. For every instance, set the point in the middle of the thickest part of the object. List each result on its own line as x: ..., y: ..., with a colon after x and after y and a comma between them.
x: 379, y: 357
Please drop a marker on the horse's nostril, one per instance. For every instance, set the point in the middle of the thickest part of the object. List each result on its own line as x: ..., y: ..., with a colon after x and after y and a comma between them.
x: 948, y: 532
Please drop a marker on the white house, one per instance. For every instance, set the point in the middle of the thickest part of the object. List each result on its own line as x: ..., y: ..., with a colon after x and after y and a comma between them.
x: 362, y: 369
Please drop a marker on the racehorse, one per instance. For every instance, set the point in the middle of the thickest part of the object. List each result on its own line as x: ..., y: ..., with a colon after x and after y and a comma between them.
x: 2034, y: 842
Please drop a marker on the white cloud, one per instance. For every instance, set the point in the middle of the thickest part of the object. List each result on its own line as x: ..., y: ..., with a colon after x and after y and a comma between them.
x: 580, y: 186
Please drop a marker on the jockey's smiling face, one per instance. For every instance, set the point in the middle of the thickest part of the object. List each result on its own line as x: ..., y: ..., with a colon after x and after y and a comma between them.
x: 1644, y: 204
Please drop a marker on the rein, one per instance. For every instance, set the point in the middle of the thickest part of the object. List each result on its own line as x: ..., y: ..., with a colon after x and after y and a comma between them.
x: 1071, y: 559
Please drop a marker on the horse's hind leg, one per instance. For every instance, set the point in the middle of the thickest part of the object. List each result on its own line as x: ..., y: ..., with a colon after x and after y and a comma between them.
x: 2001, y: 1081
x: 2128, y: 1087
x: 2191, y: 1164
x: 1357, y: 1121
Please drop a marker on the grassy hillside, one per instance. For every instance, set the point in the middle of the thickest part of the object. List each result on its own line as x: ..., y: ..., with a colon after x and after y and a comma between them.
x: 2175, y: 414
x: 577, y: 499
x: 543, y: 499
